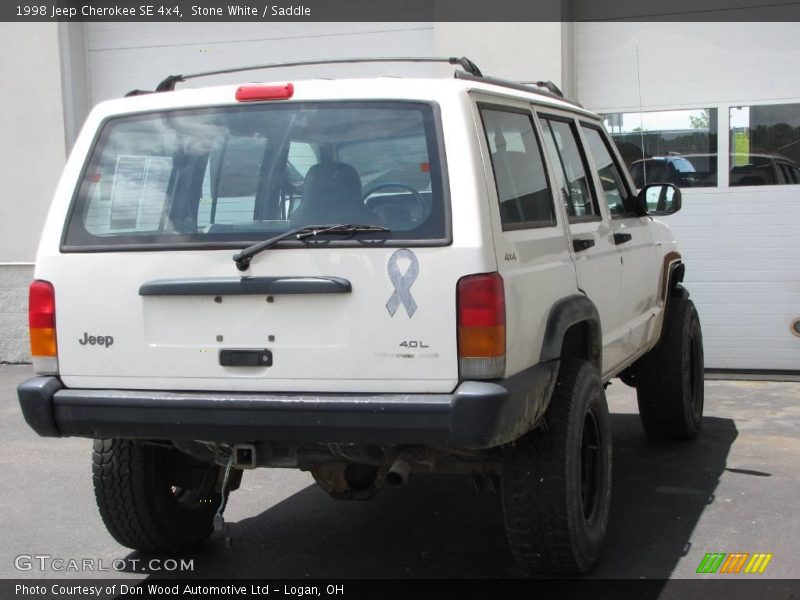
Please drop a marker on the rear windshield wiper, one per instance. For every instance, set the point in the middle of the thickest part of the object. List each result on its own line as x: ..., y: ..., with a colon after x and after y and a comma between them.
x: 244, y: 257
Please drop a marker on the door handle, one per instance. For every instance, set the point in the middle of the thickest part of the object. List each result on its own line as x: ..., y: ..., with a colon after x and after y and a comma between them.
x: 582, y: 244
x: 621, y: 238
x: 237, y: 286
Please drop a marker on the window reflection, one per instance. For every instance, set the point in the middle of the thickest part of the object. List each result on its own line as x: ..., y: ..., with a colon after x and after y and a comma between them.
x: 765, y: 145
x: 671, y: 146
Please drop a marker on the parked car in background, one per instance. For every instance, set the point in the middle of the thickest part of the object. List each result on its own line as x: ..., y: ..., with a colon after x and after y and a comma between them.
x: 678, y: 170
x: 700, y: 170
x: 763, y: 169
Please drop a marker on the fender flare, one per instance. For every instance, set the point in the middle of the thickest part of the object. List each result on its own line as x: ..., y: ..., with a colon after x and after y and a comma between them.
x: 673, y: 288
x: 677, y: 270
x: 564, y: 314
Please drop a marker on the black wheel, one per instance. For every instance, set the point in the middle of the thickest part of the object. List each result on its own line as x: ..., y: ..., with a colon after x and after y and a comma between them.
x: 669, y: 382
x: 556, y: 480
x: 153, y: 498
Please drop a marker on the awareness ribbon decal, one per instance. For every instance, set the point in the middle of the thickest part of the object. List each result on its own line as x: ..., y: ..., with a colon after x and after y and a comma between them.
x: 402, y: 283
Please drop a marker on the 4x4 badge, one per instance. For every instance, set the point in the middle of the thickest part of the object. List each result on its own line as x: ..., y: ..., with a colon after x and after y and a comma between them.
x: 402, y: 283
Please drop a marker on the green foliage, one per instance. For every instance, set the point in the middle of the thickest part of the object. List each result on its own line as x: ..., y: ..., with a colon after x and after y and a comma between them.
x: 702, y: 121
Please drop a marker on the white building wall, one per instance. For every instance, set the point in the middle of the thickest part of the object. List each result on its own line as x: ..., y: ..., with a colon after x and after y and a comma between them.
x: 740, y: 245
x: 32, y: 154
x: 125, y: 56
x: 516, y: 51
x: 685, y: 64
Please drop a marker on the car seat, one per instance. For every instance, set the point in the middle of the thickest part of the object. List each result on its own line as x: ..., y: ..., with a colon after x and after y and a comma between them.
x: 332, y: 195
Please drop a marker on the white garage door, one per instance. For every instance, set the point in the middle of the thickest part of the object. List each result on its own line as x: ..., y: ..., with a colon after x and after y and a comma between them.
x: 740, y: 240
x: 125, y: 56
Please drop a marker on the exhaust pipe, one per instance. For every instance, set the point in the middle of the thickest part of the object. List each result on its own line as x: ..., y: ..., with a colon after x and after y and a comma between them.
x: 401, y: 469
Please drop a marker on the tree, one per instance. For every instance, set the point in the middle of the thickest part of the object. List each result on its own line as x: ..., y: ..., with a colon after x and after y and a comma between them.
x: 702, y: 121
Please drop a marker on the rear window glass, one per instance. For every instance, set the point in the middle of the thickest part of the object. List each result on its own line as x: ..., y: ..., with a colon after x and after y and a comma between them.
x: 244, y: 173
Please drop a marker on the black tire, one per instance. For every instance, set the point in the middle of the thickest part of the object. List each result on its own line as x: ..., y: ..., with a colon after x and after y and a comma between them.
x: 556, y: 480
x: 669, y: 382
x: 153, y: 498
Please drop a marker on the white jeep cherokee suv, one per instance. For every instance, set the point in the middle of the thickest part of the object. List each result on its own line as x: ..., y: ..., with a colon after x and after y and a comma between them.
x: 360, y: 279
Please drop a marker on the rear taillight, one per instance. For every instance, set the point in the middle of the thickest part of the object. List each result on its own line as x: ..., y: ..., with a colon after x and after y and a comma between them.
x: 481, y: 326
x: 42, y: 323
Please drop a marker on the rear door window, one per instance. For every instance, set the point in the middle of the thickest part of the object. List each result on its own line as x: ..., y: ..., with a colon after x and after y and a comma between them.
x: 563, y: 146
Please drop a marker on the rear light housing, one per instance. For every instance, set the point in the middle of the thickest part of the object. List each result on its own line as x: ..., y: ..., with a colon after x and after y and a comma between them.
x: 481, y: 306
x: 258, y: 92
x: 42, y: 324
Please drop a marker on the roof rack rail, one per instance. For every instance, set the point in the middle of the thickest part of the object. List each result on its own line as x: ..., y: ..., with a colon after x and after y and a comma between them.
x: 548, y: 85
x: 138, y: 93
x: 543, y: 88
x: 168, y: 84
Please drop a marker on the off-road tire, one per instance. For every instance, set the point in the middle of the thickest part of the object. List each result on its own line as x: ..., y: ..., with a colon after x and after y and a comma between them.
x: 153, y: 498
x: 669, y: 381
x: 554, y: 523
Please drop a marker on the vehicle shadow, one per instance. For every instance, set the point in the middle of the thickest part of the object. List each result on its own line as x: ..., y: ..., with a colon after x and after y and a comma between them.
x: 439, y: 527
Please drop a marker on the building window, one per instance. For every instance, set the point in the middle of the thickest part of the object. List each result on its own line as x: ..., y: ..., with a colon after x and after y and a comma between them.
x: 765, y: 145
x: 672, y: 146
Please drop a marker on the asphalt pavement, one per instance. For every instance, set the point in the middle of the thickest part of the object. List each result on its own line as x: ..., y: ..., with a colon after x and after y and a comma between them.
x: 733, y: 490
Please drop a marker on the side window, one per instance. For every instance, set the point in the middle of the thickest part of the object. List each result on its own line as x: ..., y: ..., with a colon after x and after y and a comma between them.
x: 519, y: 174
x: 564, y: 149
x: 129, y: 189
x: 614, y: 188
x: 138, y: 193
x: 395, y: 174
x: 788, y: 174
x: 231, y: 180
x: 301, y: 157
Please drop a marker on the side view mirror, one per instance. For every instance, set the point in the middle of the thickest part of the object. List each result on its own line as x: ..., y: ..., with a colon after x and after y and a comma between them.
x: 659, y: 199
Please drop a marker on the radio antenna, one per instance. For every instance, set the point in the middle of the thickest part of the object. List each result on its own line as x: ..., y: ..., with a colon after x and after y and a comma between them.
x: 641, y: 118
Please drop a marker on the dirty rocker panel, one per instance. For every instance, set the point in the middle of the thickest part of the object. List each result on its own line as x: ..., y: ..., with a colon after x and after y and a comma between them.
x: 478, y: 414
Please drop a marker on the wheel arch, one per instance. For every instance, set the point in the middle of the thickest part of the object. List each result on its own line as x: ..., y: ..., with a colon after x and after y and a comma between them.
x: 671, y: 287
x: 573, y: 331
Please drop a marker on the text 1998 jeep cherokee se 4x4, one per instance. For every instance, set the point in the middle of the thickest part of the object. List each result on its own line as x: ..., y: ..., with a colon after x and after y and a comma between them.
x: 357, y: 278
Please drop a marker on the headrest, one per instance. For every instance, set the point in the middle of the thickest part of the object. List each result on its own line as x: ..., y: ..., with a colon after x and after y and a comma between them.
x: 337, y: 181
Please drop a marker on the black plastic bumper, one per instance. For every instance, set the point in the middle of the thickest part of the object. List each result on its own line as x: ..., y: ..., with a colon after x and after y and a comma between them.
x: 476, y: 415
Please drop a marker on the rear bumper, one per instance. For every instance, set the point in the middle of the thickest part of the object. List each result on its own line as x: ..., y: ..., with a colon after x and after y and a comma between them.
x: 476, y: 415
